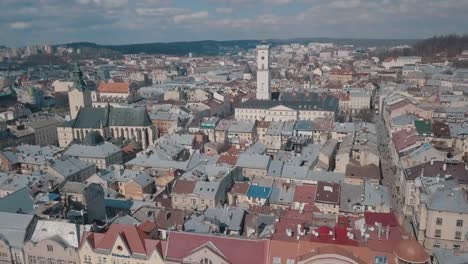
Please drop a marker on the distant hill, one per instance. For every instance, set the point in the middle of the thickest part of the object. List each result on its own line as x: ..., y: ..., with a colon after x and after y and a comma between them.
x: 449, y: 46
x: 213, y: 47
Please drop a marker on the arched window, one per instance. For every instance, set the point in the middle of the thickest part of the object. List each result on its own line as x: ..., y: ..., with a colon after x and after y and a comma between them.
x: 206, y: 261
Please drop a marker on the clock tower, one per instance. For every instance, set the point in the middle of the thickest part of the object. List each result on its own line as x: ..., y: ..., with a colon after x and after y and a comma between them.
x: 263, y: 72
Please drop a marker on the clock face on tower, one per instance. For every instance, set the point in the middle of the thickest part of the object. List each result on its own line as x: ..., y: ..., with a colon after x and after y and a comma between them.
x: 263, y: 58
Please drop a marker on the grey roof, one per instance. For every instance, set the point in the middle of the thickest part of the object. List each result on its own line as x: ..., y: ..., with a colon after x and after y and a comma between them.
x: 376, y: 195
x: 304, y: 125
x: 13, y: 228
x: 448, y: 200
x: 73, y: 187
x: 35, y: 150
x: 232, y: 217
x: 325, y: 176
x: 92, y: 117
x: 451, y: 256
x: 329, y: 103
x: 129, y: 117
x: 93, y: 138
x: 241, y: 127
x: 252, y: 161
x: 407, y: 119
x: 275, y: 169
x: 257, y: 148
x: 206, y: 189
x: 282, y: 194
x: 350, y: 196
x: 69, y: 166
x: 63, y: 232
x: 20, y: 201
x: 294, y: 172
x: 329, y: 147
x: 143, y: 179
x: 89, y: 151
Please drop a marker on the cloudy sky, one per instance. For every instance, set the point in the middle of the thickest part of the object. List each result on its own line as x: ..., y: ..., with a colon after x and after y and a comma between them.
x: 24, y: 22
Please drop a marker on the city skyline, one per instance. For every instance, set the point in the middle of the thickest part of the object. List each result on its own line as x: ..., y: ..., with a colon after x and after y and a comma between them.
x: 144, y: 21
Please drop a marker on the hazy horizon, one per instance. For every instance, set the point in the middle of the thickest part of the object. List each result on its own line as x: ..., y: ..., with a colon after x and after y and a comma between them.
x: 107, y: 22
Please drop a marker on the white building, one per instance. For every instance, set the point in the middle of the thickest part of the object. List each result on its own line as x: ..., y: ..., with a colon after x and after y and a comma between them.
x: 263, y: 72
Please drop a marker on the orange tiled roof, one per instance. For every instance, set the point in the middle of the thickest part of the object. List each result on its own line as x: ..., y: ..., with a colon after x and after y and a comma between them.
x: 116, y: 87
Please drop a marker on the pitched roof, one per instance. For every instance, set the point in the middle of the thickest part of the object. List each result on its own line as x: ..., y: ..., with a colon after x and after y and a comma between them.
x: 184, y: 187
x: 97, y: 117
x: 116, y: 87
x: 182, y: 244
x: 20, y: 201
x: 135, y: 238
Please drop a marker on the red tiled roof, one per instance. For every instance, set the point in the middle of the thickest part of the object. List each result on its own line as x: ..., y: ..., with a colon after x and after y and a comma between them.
x: 147, y: 226
x: 328, y: 192
x: 116, y: 87
x: 411, y: 251
x: 405, y: 138
x: 383, y: 218
x: 240, y: 187
x: 138, y: 242
x: 235, y: 250
x: 336, y: 235
x: 305, y: 194
x: 184, y: 187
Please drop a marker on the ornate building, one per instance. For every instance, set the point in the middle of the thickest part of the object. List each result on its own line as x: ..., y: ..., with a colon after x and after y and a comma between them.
x: 109, y: 122
x: 79, y: 94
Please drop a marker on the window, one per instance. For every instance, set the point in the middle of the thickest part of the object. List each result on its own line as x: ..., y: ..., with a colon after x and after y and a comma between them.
x: 438, y: 233
x: 459, y: 223
x: 436, y: 245
x: 380, y: 260
x: 50, y: 248
x: 290, y: 261
x: 206, y: 261
x: 194, y: 202
x: 438, y: 221
x: 458, y: 235
x: 456, y: 246
x: 276, y: 260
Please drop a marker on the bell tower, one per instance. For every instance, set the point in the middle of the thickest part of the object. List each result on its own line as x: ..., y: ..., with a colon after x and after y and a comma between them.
x: 79, y: 94
x: 263, y: 72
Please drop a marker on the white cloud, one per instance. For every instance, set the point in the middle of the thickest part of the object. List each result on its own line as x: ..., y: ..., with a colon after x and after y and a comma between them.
x: 178, y: 19
x: 224, y: 10
x: 278, y: 2
x: 20, y: 25
x: 162, y: 11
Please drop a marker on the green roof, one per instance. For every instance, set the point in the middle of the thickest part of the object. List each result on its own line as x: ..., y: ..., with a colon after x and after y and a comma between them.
x: 423, y: 127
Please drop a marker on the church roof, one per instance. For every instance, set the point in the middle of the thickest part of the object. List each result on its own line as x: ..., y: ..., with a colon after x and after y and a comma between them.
x: 91, y: 117
x: 93, y: 138
x: 247, y: 69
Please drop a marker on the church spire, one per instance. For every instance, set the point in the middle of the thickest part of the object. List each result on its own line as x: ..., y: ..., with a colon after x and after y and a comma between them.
x: 77, y: 77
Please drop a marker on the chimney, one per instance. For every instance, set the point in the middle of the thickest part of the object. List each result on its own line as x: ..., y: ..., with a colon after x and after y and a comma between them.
x: 432, y: 161
x: 379, y: 230
x: 387, y: 233
x: 445, y: 167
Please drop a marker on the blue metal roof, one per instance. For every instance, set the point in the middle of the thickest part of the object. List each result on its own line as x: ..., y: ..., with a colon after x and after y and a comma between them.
x: 256, y: 191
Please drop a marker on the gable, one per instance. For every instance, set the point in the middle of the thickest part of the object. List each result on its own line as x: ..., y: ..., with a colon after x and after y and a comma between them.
x: 120, y: 247
x: 281, y: 108
x: 206, y: 252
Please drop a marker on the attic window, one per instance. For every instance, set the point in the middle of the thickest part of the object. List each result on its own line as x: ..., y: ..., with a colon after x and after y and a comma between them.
x: 119, y: 248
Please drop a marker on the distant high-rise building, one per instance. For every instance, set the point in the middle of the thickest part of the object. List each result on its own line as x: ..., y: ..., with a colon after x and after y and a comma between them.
x: 263, y: 72
x: 79, y: 95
